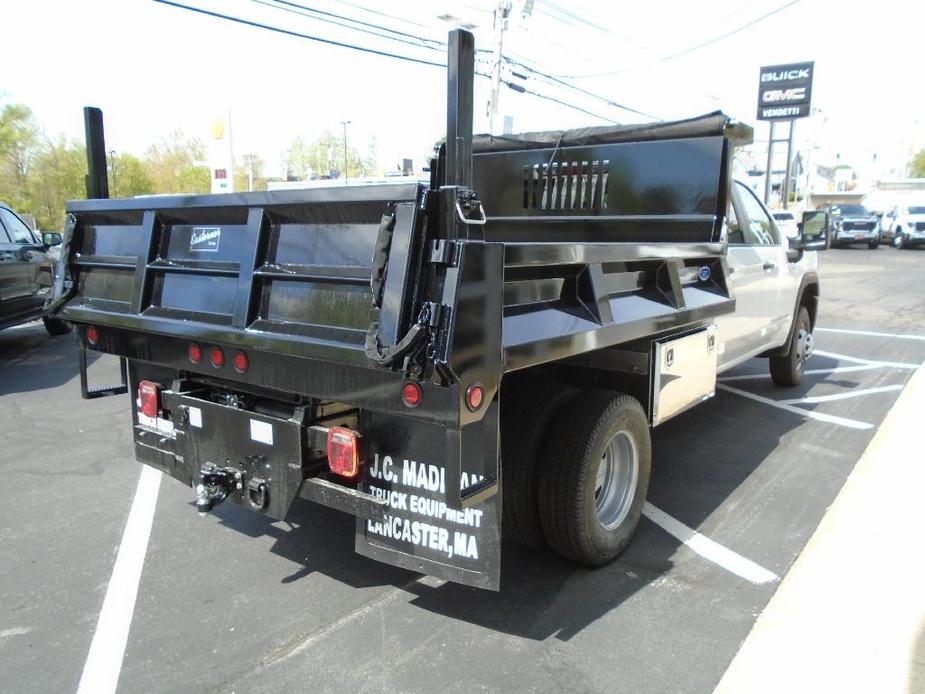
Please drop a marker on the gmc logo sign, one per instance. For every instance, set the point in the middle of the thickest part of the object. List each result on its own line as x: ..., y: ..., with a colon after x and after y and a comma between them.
x: 776, y: 96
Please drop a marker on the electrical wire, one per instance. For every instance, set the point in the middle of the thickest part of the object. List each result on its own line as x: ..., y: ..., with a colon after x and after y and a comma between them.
x: 441, y: 44
x: 556, y: 80
x: 340, y: 44
x: 288, y: 32
x: 691, y: 49
x: 524, y: 90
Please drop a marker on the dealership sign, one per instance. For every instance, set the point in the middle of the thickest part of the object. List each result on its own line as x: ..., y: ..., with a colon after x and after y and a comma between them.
x: 784, y: 91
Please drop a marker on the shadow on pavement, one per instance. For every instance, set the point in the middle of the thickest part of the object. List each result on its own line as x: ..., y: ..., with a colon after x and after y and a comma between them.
x: 31, y: 359
x: 695, y: 469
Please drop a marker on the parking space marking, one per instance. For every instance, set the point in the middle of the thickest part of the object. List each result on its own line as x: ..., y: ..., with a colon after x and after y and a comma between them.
x: 808, y: 372
x: 811, y: 399
x: 810, y: 414
x: 870, y: 362
x: 708, y: 549
x: 870, y: 333
x: 104, y: 661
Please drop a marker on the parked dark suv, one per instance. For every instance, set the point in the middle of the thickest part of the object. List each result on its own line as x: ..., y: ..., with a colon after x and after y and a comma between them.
x: 26, y: 273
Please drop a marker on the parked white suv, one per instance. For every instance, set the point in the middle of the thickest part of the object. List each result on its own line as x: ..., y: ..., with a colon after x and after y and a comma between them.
x: 904, y: 225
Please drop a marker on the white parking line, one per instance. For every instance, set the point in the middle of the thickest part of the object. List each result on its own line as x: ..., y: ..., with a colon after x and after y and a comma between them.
x: 810, y: 399
x: 808, y: 372
x: 871, y: 333
x: 869, y: 362
x: 810, y: 414
x: 104, y: 661
x: 707, y: 548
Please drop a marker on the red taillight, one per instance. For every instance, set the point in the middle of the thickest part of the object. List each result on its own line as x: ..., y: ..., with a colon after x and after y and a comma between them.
x: 475, y: 395
x: 93, y: 335
x: 195, y: 353
x: 149, y: 399
x: 217, y: 357
x: 344, y: 452
x: 240, y: 362
x: 411, y: 394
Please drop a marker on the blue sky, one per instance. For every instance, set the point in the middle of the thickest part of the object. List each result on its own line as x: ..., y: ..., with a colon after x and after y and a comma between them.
x: 153, y: 68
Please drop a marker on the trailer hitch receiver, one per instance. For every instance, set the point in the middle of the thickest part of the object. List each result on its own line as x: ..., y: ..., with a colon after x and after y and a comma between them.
x: 213, y: 487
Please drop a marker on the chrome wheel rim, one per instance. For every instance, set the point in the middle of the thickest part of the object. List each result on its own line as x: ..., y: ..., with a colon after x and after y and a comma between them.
x: 804, y: 347
x: 615, y: 485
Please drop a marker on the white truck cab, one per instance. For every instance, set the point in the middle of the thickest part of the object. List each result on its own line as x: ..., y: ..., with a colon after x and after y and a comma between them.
x: 776, y: 289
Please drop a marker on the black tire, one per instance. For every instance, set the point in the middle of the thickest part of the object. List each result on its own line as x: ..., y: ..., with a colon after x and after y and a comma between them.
x: 568, y: 476
x: 787, y: 371
x: 525, y: 420
x: 873, y: 245
x: 56, y: 326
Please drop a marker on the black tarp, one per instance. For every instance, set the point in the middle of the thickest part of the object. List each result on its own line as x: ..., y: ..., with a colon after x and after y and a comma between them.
x: 707, y: 125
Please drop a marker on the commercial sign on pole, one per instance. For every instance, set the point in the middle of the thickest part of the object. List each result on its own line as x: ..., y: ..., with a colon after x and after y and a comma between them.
x: 221, y: 156
x: 785, y: 91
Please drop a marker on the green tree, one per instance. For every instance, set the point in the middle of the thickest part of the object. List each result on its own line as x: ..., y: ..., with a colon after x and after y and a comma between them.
x: 324, y: 156
x: 20, y: 139
x: 251, y: 167
x: 128, y: 177
x: 56, y: 174
x: 917, y: 165
x: 171, y: 165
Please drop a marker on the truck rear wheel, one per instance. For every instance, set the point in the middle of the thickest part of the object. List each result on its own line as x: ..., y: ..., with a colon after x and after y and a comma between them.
x: 525, y: 420
x: 788, y: 370
x: 594, y: 476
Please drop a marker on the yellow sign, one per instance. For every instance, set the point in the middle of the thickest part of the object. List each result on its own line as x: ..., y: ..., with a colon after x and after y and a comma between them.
x: 218, y: 129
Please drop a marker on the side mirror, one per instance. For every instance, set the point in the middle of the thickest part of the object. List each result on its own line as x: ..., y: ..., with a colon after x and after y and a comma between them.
x: 814, y: 231
x: 51, y: 238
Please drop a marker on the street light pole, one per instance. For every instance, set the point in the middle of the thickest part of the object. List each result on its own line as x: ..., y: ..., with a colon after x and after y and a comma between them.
x: 345, y: 123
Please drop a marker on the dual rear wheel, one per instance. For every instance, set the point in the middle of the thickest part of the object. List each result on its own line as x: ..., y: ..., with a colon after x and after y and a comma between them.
x: 580, y: 485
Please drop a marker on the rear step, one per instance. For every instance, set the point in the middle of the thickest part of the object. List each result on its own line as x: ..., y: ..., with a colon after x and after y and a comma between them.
x: 88, y: 393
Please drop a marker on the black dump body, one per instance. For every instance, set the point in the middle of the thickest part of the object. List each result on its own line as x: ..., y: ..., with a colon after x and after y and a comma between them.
x: 341, y: 296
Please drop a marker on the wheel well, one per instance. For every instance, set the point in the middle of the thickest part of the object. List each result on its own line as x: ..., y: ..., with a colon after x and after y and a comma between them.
x: 810, y: 299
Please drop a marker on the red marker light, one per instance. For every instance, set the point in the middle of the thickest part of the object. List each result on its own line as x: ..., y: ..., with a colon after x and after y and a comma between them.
x: 195, y: 353
x: 148, y: 399
x: 344, y: 452
x: 217, y: 357
x: 240, y: 362
x: 92, y: 335
x: 411, y: 394
x: 475, y: 395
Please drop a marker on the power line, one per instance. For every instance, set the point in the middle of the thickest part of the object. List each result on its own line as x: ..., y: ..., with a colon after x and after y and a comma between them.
x: 340, y: 44
x: 441, y: 44
x: 383, y: 14
x: 666, y: 58
x: 524, y: 90
x: 297, y: 34
x: 568, y: 85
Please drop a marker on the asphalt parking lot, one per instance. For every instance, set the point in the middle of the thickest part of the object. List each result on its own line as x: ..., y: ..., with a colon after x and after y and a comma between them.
x: 233, y: 602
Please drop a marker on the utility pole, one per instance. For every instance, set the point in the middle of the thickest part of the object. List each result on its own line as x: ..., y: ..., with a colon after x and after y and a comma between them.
x: 345, y: 123
x: 501, y: 15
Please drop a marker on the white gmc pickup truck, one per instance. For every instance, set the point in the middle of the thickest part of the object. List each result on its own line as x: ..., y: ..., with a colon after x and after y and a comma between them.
x: 776, y: 288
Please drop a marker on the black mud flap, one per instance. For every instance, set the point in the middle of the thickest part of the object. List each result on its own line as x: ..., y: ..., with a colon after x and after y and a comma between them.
x: 413, y: 464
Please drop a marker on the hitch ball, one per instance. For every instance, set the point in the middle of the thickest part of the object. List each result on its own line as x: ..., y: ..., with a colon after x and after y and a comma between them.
x: 213, y: 487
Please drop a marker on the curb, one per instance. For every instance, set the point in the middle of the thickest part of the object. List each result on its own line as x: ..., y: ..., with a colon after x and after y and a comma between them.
x: 850, y: 614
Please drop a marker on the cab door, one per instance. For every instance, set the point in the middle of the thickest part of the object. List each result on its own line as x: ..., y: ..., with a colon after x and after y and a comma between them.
x: 22, y: 263
x: 9, y: 276
x: 758, y: 265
